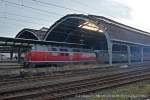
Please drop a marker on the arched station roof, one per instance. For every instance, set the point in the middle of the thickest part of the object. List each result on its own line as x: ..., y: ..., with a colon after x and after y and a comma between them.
x: 32, y: 34
x: 92, y: 31
x: 74, y: 28
x: 79, y: 29
x: 123, y: 33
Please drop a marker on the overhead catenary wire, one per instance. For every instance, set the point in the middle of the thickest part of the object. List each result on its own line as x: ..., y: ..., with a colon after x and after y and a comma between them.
x: 29, y: 17
x: 41, y: 10
x: 18, y: 20
x: 59, y: 6
x: 83, y: 4
x: 33, y: 8
x: 18, y: 24
x: 37, y: 9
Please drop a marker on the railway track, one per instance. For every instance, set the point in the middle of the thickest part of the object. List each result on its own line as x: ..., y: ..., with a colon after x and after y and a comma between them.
x: 86, y: 87
x: 55, y: 74
x: 77, y: 86
x: 11, y: 74
x: 63, y: 74
x: 7, y: 72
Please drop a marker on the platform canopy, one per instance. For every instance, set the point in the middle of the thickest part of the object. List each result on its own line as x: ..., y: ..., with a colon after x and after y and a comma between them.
x: 32, y: 34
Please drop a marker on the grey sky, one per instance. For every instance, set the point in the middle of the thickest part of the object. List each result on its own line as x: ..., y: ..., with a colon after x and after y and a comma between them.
x: 13, y: 17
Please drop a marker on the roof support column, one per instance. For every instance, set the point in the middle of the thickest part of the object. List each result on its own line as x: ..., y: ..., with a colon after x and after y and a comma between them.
x: 11, y: 54
x: 129, y: 54
x: 110, y: 53
x: 109, y: 44
x: 19, y: 55
x: 142, y: 54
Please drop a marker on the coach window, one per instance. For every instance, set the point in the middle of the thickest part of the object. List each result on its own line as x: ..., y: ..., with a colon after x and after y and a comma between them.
x: 54, y: 49
x: 62, y: 49
x: 76, y: 50
x: 119, y: 53
x: 146, y: 54
x: 135, y: 53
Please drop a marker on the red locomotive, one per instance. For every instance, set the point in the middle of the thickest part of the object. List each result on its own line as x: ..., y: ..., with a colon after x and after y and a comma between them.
x: 48, y: 55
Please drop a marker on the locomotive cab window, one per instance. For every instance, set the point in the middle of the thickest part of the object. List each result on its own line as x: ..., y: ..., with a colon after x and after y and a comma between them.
x: 119, y: 53
x: 34, y: 47
x: 64, y: 52
x: 42, y: 47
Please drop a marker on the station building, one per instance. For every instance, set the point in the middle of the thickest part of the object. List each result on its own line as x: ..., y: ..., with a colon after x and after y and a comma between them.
x: 112, y: 41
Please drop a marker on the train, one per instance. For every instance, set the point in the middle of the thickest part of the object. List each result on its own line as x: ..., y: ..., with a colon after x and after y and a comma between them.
x: 41, y: 55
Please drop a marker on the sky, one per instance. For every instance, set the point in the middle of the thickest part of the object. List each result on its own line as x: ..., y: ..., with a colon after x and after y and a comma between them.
x: 18, y: 14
